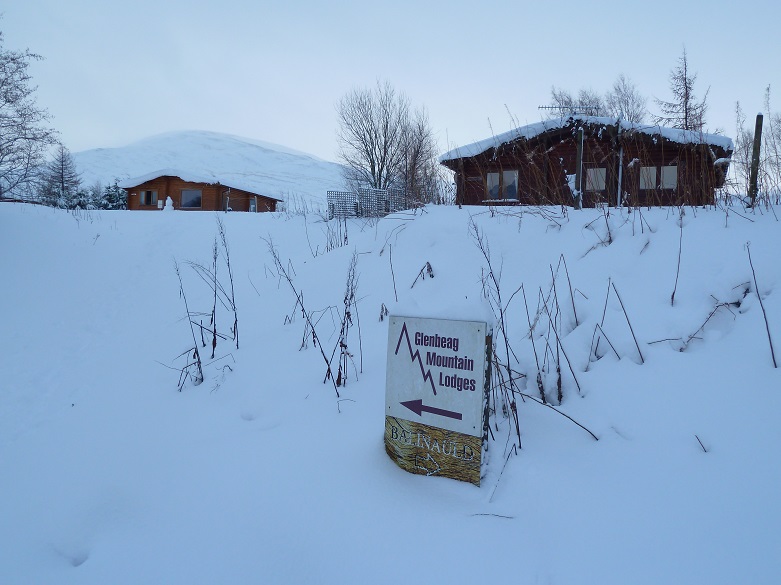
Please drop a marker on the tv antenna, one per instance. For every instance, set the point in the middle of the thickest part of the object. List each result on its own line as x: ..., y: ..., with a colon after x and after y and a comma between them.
x: 575, y: 109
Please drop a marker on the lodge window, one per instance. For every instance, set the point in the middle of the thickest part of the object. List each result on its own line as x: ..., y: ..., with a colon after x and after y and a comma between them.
x: 492, y: 185
x: 647, y: 177
x: 191, y: 198
x: 510, y: 184
x: 148, y: 198
x: 596, y: 179
x: 669, y: 177
x: 502, y: 185
x: 253, y: 204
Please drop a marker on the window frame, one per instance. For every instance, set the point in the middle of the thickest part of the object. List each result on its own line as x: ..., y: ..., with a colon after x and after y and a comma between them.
x: 489, y: 185
x: 663, y: 177
x: 142, y: 197
x: 498, y: 181
x: 200, y: 199
x: 503, y: 186
x: 645, y: 174
x: 602, y: 174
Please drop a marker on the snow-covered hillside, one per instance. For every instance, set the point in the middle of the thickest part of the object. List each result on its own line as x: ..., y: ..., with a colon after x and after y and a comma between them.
x: 272, y: 169
x: 262, y: 475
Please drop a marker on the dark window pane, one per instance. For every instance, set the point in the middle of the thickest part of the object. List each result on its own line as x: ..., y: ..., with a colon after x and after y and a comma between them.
x: 191, y: 197
x: 492, y: 185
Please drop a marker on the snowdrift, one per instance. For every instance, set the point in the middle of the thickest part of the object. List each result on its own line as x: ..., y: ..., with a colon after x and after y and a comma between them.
x: 262, y: 474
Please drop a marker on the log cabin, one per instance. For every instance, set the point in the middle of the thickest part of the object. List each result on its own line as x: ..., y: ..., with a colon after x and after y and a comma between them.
x: 190, y: 192
x: 620, y: 163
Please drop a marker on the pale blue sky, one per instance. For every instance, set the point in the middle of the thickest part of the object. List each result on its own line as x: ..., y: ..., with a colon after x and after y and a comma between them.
x: 116, y: 72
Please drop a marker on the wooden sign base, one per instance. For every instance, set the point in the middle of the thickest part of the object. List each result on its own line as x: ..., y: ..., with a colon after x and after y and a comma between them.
x: 432, y: 451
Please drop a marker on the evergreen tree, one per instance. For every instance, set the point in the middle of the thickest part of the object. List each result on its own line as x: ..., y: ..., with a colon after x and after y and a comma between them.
x: 60, y: 182
x: 90, y: 197
x: 684, y: 111
x: 94, y: 196
x: 114, y: 197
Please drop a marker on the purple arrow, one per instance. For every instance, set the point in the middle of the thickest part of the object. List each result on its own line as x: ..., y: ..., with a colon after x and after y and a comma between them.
x: 418, y: 407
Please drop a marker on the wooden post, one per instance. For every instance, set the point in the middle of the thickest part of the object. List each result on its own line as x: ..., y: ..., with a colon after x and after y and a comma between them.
x: 753, y: 178
x: 579, y: 171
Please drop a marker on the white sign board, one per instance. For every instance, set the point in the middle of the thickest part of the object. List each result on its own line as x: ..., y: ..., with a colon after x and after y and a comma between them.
x: 436, y: 373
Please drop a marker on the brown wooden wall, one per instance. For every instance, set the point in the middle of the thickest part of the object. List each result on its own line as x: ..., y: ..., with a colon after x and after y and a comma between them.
x: 212, y: 196
x: 240, y: 200
x: 544, y: 163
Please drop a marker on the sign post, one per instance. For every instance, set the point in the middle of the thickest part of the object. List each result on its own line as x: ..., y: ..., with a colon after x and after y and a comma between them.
x: 436, y: 396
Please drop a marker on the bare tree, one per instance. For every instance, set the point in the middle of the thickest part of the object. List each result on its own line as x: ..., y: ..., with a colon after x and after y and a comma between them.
x: 24, y: 136
x: 422, y: 174
x: 624, y: 101
x: 587, y: 102
x: 384, y: 143
x: 771, y: 150
x: 371, y: 135
x: 590, y: 102
x: 740, y: 163
x: 769, y: 177
x: 562, y: 103
x: 684, y: 111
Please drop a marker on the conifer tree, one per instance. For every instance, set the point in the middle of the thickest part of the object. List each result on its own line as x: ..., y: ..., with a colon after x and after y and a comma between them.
x: 683, y: 111
x: 60, y: 182
x: 114, y: 197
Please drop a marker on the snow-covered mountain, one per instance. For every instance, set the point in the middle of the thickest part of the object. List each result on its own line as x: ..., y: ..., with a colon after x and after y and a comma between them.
x: 272, y: 169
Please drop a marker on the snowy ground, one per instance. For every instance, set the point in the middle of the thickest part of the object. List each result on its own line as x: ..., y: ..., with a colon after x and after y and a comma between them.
x: 262, y: 475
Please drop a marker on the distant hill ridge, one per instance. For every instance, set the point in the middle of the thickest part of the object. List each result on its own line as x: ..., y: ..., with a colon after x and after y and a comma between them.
x: 271, y: 169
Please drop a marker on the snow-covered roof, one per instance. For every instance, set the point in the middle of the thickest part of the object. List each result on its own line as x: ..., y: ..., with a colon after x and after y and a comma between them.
x: 245, y: 163
x: 532, y: 130
x: 183, y: 175
x: 191, y: 177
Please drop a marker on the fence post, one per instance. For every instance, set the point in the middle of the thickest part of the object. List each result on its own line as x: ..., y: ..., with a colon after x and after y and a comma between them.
x: 754, y: 176
x: 579, y: 171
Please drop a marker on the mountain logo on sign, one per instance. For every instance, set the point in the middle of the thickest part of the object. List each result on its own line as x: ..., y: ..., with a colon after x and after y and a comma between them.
x: 415, y: 356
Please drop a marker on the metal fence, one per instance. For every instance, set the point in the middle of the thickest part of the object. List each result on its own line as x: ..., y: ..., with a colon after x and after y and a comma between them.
x: 366, y: 202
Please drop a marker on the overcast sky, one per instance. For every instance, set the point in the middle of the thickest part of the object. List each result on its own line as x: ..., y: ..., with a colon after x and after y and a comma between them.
x: 115, y: 72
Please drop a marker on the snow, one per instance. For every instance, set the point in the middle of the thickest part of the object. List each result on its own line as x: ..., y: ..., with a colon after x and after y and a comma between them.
x: 262, y: 475
x: 184, y: 175
x: 243, y: 163
x: 452, y: 307
x: 533, y: 130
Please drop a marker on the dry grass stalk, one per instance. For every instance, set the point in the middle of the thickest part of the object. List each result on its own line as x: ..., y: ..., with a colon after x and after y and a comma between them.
x: 198, y: 377
x: 761, y: 305
x: 631, y: 330
x: 299, y: 297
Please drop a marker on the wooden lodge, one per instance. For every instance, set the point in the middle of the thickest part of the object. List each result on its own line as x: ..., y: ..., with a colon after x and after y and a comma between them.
x: 192, y: 193
x: 620, y: 163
